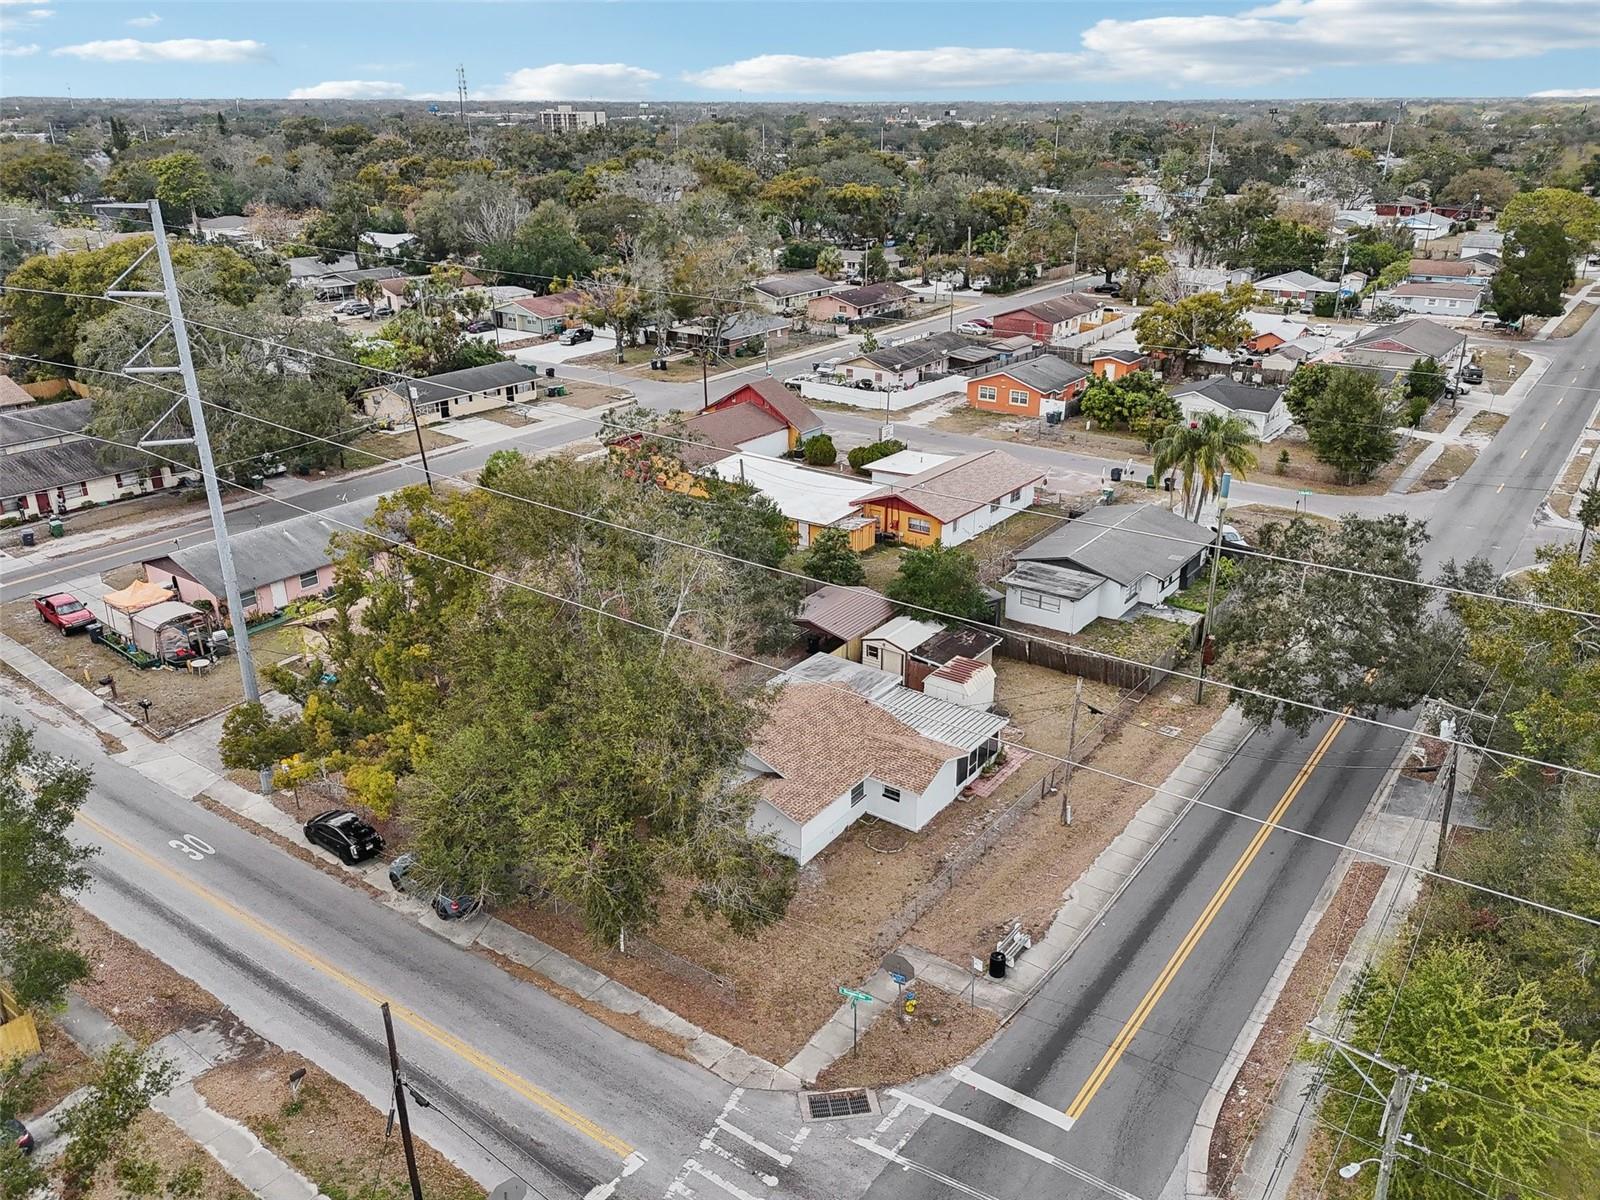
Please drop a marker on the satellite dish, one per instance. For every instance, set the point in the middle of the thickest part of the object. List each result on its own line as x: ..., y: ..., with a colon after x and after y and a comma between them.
x: 511, y: 1189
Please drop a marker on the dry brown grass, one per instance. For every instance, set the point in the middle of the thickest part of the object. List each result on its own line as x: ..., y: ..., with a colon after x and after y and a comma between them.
x: 376, y: 447
x: 1502, y: 366
x: 133, y: 987
x: 168, y: 1145
x: 1575, y: 320
x: 1486, y: 424
x: 894, y: 1050
x: 1451, y: 464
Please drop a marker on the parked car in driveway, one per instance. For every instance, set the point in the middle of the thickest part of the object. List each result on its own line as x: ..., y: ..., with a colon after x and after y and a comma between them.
x: 977, y: 327
x: 1472, y: 373
x: 66, y: 612
x: 344, y: 833
x: 352, y: 308
x: 481, y: 325
x: 1108, y: 289
x: 573, y: 336
x: 447, y: 903
x: 18, y: 1132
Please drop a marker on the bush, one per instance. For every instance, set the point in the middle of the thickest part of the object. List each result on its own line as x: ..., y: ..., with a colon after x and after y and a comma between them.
x: 861, y: 456
x: 1325, y: 304
x: 820, y: 451
x: 800, y: 256
x: 1416, y: 408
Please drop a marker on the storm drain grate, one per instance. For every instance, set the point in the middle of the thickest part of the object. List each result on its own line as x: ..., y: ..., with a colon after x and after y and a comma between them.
x: 825, y: 1106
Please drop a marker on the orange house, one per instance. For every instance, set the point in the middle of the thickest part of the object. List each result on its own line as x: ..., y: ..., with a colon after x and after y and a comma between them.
x: 1040, y: 387
x: 1114, y: 364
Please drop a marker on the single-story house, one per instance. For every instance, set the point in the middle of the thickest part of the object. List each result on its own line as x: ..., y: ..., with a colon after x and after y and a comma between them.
x: 1480, y: 242
x: 1347, y: 220
x: 48, y: 466
x: 346, y: 285
x: 1294, y: 287
x: 812, y: 500
x: 1448, y: 270
x: 889, y: 647
x: 1402, y: 206
x: 954, y: 501
x: 1046, y: 387
x: 752, y: 419
x: 791, y: 291
x: 854, y: 259
x: 309, y: 270
x: 1268, y: 331
x: 902, y: 464
x: 1193, y: 280
x: 1282, y: 361
x: 232, y: 230
x: 737, y: 331
x: 453, y: 393
x: 1114, y: 364
x: 1401, y: 343
x: 275, y: 564
x: 1261, y: 408
x: 385, y: 243
x: 1109, y: 560
x: 1434, y: 299
x: 843, y: 739
x: 1053, y: 320
x: 835, y: 619
x: 905, y: 364
x: 858, y: 303
x: 540, y: 315
x: 1426, y: 226
x: 772, y: 397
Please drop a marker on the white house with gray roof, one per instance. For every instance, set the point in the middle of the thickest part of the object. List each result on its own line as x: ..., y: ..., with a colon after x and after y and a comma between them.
x: 1261, y: 408
x: 453, y: 394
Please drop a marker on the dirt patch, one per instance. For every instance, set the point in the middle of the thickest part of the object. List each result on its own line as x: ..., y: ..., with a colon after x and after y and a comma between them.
x: 509, y: 417
x: 1451, y: 464
x: 1249, y: 519
x: 1564, y: 496
x: 1486, y: 424
x: 304, y: 853
x: 177, y: 698
x: 581, y: 394
x: 147, y: 998
x: 63, y: 1068
x: 1575, y: 320
x: 1436, y: 418
x: 1029, y: 870
x: 1255, y: 1087
x: 379, y: 446
x: 177, y: 1152
x: 330, y: 1133
x: 169, y: 504
x: 1502, y: 366
x: 944, y: 1031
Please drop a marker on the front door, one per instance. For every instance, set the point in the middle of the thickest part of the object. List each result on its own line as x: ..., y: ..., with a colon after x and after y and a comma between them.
x: 41, y: 501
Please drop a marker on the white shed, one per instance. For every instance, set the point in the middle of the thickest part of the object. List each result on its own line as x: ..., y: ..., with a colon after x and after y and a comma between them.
x: 963, y: 681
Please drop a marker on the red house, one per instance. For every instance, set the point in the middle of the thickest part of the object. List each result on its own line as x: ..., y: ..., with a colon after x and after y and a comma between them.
x: 1048, y: 321
x: 772, y: 398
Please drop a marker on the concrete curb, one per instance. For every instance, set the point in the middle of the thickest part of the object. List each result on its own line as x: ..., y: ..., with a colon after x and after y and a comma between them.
x: 1198, y: 1153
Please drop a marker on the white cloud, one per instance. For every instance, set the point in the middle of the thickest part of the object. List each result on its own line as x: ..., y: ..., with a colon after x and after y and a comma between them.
x: 350, y: 89
x: 1238, y: 52
x: 144, y: 22
x: 569, y: 81
x: 1565, y: 94
x: 13, y: 50
x: 23, y: 14
x: 175, y: 50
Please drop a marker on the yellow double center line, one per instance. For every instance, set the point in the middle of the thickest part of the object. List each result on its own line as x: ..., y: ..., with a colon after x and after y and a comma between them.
x: 422, y: 1025
x: 1179, y: 956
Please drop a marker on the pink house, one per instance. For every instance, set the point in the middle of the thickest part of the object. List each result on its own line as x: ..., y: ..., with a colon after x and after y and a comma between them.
x: 276, y: 564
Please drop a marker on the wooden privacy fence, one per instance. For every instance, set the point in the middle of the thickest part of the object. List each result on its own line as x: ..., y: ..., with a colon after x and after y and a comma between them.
x: 1092, y: 666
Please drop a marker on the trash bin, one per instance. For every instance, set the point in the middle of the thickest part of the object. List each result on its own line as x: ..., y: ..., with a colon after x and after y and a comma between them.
x: 1116, y: 474
x: 1149, y: 481
x: 27, y: 537
x: 997, y: 965
x: 56, y: 527
x: 549, y: 372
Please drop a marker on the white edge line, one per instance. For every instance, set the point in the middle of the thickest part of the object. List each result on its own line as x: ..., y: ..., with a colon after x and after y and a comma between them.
x: 907, y: 1164
x: 1014, y: 1098
x: 782, y: 1159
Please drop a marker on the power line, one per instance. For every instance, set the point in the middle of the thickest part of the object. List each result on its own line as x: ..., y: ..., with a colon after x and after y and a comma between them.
x: 401, y: 545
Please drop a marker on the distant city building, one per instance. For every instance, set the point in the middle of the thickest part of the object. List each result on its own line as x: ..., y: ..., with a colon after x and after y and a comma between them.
x: 564, y: 116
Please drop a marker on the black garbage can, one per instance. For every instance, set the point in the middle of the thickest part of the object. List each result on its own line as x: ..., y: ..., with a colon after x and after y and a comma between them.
x: 27, y: 537
x: 997, y: 965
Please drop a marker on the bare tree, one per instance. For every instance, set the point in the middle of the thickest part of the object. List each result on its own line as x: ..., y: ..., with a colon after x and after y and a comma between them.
x: 493, y: 216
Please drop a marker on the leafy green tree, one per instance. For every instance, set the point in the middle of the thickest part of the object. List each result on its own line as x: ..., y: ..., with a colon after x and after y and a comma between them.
x: 1577, y: 215
x: 1490, y: 186
x: 1202, y: 451
x: 831, y: 559
x: 546, y: 247
x: 1352, y: 423
x: 1425, y: 380
x: 45, y: 175
x: 1179, y: 329
x: 1509, y: 1084
x: 99, y: 1128
x: 1330, y: 637
x: 1137, y: 400
x: 184, y: 184
x: 830, y: 262
x: 1588, y: 514
x: 21, y: 1087
x: 254, y: 740
x: 1538, y: 263
x: 1305, y: 387
x: 1276, y: 246
x: 130, y: 180
x: 875, y: 268
x: 40, y: 794
x: 820, y: 451
x: 940, y: 579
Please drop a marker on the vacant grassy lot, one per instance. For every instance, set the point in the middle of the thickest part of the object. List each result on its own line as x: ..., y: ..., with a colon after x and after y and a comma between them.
x: 378, y: 446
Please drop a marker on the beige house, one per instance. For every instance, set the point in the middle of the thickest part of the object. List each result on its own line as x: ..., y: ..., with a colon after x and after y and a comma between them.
x: 453, y: 394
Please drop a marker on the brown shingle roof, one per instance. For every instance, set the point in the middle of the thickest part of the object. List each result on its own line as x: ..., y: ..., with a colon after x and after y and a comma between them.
x: 1442, y: 266
x: 1058, y: 308
x: 823, y: 741
x: 953, y: 489
x: 872, y: 293
x: 554, y: 305
x: 725, y: 430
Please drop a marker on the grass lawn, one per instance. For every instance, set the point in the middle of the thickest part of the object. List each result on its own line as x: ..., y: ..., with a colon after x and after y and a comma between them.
x: 378, y: 446
x: 1486, y: 424
x: 1502, y: 366
x: 1446, y: 469
x: 1575, y: 319
x: 1143, y: 638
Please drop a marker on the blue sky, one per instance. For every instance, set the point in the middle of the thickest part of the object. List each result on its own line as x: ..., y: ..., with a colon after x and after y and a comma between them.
x: 797, y: 50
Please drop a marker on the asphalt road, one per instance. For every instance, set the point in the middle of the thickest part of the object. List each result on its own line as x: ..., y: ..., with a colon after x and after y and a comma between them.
x: 1174, y: 970
x: 555, y: 1096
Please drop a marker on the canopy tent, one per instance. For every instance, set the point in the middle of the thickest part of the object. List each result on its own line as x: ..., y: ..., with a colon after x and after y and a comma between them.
x: 161, y: 629
x: 138, y: 594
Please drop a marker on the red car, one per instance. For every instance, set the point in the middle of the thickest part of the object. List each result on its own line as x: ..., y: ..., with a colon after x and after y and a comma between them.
x: 65, y: 611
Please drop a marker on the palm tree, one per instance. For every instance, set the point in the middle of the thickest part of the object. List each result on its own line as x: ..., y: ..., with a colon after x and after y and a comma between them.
x: 1203, y: 449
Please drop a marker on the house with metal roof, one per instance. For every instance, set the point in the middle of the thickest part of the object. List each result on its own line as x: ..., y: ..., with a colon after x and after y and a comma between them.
x: 834, y: 618
x: 1103, y: 564
x: 955, y: 501
x: 1435, y: 299
x: 812, y: 500
x: 843, y: 740
x: 1261, y: 408
x: 452, y: 394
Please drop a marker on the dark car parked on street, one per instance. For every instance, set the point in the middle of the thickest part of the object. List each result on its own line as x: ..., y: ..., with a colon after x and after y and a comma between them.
x: 1108, y: 289
x: 344, y: 833
x: 449, y: 905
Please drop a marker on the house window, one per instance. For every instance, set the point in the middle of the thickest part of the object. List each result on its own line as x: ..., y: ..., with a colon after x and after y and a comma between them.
x: 858, y: 793
x: 918, y: 525
x: 1019, y: 397
x: 1040, y: 601
x: 117, y: 479
x: 310, y: 579
x: 872, y: 651
x: 890, y: 793
x: 248, y: 597
x: 994, y: 506
x: 83, y: 488
x: 986, y: 392
x: 961, y: 771
x: 1131, y: 590
x: 11, y: 504
x: 1016, y: 495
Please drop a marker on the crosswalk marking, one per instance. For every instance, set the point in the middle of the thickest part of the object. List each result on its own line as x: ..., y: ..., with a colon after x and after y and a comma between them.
x: 782, y: 1159
x: 1014, y: 1098
x: 733, y: 1189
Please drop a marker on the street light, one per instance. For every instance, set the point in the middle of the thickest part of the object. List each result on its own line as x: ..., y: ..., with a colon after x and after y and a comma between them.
x: 1351, y: 1170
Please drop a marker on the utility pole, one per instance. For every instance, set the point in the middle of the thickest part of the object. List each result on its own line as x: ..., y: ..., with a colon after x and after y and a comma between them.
x: 1447, y: 732
x: 1072, y: 748
x: 1393, y: 1117
x: 198, y: 437
x: 461, y: 93
x: 1388, y: 150
x: 416, y: 423
x: 1211, y: 591
x: 400, y: 1105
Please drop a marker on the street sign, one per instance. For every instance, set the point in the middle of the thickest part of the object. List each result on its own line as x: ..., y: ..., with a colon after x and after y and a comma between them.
x: 511, y: 1189
x: 899, y: 979
x: 855, y: 996
x: 900, y: 967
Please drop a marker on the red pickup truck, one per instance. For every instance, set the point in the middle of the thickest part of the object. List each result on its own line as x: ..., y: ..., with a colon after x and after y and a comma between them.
x: 65, y: 611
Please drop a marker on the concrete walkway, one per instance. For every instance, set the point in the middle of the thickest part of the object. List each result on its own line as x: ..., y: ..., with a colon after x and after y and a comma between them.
x: 192, y: 1052
x: 188, y: 765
